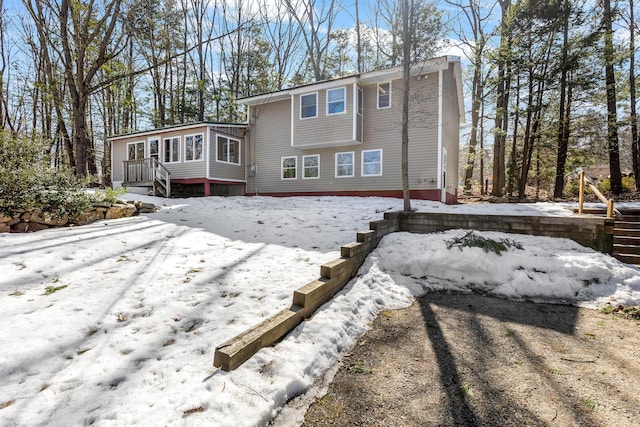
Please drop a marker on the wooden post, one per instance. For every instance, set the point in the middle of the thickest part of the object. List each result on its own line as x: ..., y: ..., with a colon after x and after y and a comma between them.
x: 610, y: 208
x: 581, y: 203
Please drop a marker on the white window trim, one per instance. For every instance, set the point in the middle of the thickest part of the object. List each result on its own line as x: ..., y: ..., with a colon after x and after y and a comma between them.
x: 201, y: 151
x: 353, y: 169
x: 164, y: 141
x: 378, y: 95
x: 362, y: 168
x: 228, y: 138
x: 359, y: 101
x: 282, y: 168
x: 304, y: 167
x: 136, y: 143
x: 300, y: 100
x: 344, y: 100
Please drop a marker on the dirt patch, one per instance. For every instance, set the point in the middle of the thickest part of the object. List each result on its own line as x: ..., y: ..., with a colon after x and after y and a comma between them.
x: 474, y: 360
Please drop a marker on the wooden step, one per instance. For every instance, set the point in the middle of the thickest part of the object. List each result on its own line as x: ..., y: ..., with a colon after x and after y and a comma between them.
x: 627, y: 225
x: 626, y: 249
x: 628, y: 259
x: 628, y: 218
x: 626, y: 232
x: 626, y: 240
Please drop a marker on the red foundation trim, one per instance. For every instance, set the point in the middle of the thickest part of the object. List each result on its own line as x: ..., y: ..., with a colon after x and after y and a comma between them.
x: 397, y: 194
x: 207, y: 188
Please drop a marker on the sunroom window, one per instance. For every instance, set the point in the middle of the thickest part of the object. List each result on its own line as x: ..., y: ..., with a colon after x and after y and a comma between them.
x: 193, y: 147
x: 172, y: 150
x: 135, y: 150
x: 228, y: 150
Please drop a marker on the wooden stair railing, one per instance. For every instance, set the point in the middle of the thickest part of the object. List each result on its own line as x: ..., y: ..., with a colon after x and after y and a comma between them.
x: 607, y: 202
x: 161, y: 178
x: 148, y: 172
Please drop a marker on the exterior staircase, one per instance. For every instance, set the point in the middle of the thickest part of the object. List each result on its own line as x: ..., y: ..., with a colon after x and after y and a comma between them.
x: 149, y: 173
x: 626, y: 234
x: 626, y: 237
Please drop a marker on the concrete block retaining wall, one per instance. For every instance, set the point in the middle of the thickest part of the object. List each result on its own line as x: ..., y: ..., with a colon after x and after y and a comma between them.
x: 592, y: 232
x: 596, y: 233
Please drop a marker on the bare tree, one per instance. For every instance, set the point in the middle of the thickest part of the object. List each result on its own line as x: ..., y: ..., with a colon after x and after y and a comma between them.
x: 316, y: 19
x: 89, y: 36
x: 283, y: 36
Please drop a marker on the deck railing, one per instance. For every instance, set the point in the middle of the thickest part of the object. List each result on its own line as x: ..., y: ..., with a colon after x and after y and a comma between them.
x: 607, y: 202
x: 148, y: 172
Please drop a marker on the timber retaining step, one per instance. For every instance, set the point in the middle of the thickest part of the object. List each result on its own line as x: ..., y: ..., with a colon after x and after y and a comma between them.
x: 307, y: 299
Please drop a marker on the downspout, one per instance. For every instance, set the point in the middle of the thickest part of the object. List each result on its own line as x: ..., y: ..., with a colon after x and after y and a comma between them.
x: 293, y: 114
x: 441, y: 185
x: 207, y: 153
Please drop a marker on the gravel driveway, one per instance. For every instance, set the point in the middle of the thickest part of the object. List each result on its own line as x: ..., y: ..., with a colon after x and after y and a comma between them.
x: 467, y: 360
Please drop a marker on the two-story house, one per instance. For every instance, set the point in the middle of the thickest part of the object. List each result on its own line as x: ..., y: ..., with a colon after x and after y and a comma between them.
x: 343, y: 136
x: 335, y: 137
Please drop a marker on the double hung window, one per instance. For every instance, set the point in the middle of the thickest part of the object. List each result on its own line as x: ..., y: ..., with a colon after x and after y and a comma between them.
x: 289, y: 167
x: 309, y: 106
x: 311, y: 166
x: 336, y: 101
x: 344, y: 164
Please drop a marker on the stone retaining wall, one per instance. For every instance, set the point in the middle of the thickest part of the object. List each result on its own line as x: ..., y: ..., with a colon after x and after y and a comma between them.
x: 21, y: 220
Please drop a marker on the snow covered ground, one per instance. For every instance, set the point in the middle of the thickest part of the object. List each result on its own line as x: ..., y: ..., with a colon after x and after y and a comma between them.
x: 115, y: 323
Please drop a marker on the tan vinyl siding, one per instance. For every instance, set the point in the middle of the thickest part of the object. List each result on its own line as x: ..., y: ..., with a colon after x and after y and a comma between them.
x: 221, y: 170
x: 270, y: 136
x: 324, y: 128
x: 383, y: 129
x: 183, y: 169
x: 451, y: 128
x: 119, y: 153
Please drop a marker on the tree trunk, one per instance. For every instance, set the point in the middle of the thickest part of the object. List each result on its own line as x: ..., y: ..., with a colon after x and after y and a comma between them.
x: 563, y: 119
x: 406, y: 67
x: 80, y: 137
x: 635, y: 150
x: 512, y: 182
x: 612, y: 116
x: 475, y: 118
x: 502, y: 112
